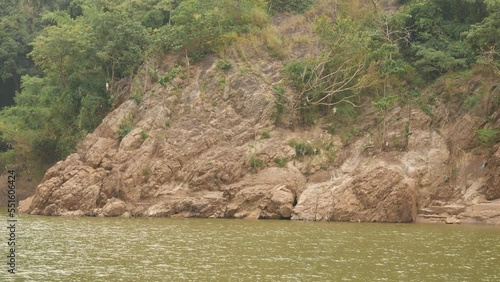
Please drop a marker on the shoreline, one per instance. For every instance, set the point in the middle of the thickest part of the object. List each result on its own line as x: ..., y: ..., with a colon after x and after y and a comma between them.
x: 419, y: 221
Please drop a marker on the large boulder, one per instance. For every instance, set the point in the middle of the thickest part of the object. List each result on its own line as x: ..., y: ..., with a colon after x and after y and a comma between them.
x: 269, y: 194
x: 68, y: 186
x: 114, y: 207
x: 380, y: 194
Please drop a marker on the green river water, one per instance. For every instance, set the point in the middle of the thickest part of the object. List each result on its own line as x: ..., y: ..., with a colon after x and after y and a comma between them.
x: 146, y: 249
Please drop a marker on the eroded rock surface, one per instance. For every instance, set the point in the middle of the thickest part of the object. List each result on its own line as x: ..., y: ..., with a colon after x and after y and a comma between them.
x: 493, y: 183
x: 201, y: 153
x: 378, y: 194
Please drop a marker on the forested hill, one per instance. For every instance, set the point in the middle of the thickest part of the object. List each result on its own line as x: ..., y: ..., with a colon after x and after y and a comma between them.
x: 72, y: 62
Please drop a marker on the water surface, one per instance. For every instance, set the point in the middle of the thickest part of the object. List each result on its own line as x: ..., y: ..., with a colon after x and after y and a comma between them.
x: 120, y: 249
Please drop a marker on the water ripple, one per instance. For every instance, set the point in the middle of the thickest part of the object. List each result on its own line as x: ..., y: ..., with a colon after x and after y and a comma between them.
x: 117, y: 249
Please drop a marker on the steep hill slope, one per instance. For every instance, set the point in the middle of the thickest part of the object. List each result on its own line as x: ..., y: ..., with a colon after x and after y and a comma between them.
x: 206, y: 145
x: 194, y: 158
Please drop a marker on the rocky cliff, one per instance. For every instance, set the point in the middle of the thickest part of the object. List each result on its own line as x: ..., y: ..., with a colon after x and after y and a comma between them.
x: 196, y: 148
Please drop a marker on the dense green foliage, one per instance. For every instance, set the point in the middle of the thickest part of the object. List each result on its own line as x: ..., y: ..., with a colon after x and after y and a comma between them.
x: 338, y: 74
x: 488, y: 136
x: 390, y: 57
x: 292, y: 6
x: 77, y: 57
x: 19, y: 24
x: 485, y: 33
x: 200, y: 27
x: 436, y: 28
x: 485, y: 36
x: 69, y: 52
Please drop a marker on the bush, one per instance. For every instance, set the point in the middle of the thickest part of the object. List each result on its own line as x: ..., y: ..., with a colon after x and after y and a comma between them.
x: 92, y: 110
x: 144, y: 136
x: 331, y: 129
x: 266, y: 134
x: 303, y: 148
x: 202, y: 27
x: 279, y: 103
x: 298, y: 73
x: 292, y: 6
x: 168, y: 76
x: 280, y: 161
x: 223, y: 65
x: 137, y: 98
x: 255, y: 164
x: 125, y: 129
x: 488, y: 136
x: 385, y: 103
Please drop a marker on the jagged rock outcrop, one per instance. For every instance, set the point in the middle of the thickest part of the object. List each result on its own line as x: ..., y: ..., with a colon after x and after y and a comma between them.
x: 189, y: 160
x: 189, y: 154
x: 378, y: 194
x: 270, y: 194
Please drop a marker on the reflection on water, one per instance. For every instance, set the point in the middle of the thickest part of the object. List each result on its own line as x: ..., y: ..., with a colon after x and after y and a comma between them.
x: 118, y: 249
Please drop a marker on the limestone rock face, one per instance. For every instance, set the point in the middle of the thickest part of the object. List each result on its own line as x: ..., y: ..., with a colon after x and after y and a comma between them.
x: 486, y: 213
x: 462, y: 129
x: 270, y: 194
x: 188, y: 160
x: 201, y: 152
x: 68, y: 186
x: 379, y: 195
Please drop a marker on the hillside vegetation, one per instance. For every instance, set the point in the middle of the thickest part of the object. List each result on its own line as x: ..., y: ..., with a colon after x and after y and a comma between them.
x: 76, y: 60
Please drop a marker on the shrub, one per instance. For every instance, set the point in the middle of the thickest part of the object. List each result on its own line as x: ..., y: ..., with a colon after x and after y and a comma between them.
x: 280, y: 161
x: 144, y: 136
x: 385, y: 103
x: 331, y: 129
x: 298, y: 73
x: 223, y: 65
x: 292, y: 6
x: 274, y: 43
x: 279, y: 103
x: 279, y: 89
x: 488, y: 136
x: 202, y: 27
x: 168, y: 76
x: 255, y: 164
x: 137, y: 98
x: 303, y: 148
x: 125, y: 129
x: 471, y: 101
x: 266, y: 134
